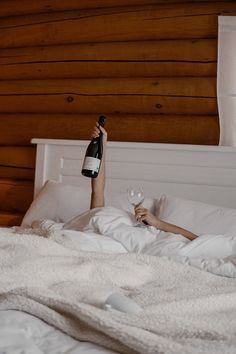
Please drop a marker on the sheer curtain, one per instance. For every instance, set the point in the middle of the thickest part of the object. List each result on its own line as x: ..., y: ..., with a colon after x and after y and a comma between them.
x: 226, y: 79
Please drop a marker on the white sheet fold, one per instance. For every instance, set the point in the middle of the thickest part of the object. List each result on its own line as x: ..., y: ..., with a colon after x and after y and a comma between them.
x: 207, y: 252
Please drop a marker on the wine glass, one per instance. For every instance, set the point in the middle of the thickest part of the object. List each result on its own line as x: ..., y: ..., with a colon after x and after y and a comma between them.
x: 136, y: 197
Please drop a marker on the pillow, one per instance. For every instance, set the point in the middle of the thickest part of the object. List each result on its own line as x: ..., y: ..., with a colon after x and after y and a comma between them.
x: 61, y: 202
x: 197, y: 217
x: 57, y: 201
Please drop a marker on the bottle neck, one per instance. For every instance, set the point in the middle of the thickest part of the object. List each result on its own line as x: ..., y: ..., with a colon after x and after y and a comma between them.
x: 99, y: 137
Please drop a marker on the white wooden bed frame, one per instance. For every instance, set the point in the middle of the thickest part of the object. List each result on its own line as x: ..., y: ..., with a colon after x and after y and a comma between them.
x: 203, y: 173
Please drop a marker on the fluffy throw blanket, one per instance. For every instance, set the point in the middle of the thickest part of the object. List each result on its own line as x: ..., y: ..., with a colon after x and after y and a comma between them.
x: 185, y: 310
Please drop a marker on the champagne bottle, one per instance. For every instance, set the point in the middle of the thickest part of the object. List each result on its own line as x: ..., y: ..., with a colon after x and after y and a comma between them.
x: 93, y: 155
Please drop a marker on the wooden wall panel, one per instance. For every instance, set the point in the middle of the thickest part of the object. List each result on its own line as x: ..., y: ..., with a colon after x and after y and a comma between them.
x: 8, y: 219
x: 150, y: 66
x: 12, y: 8
x: 16, y: 173
x: 189, y: 129
x: 124, y: 86
x: 17, y: 162
x: 192, y: 50
x: 184, y: 20
x: 15, y: 195
x: 179, y: 95
x: 120, y: 59
x: 17, y: 156
x: 108, y: 104
x: 105, y: 69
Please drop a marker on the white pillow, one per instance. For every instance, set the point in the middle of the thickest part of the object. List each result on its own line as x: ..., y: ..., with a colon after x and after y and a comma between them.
x: 61, y: 202
x: 197, y: 217
x: 58, y: 202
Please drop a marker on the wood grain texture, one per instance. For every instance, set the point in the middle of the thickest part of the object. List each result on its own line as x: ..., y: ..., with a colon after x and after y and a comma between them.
x: 17, y: 156
x: 192, y: 50
x: 105, y: 69
x: 8, y: 219
x: 121, y: 59
x: 184, y: 86
x: 15, y: 195
x: 17, y: 173
x: 124, y: 95
x: 12, y: 8
x: 17, y: 162
x: 140, y: 127
x: 183, y: 20
x: 108, y: 104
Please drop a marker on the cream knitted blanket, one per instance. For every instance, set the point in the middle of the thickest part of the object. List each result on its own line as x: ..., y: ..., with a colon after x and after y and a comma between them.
x: 185, y: 310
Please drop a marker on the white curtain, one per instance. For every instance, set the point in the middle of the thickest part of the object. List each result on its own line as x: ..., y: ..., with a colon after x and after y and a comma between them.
x: 226, y: 79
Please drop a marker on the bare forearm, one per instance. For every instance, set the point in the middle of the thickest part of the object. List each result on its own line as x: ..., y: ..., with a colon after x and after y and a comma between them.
x: 164, y: 226
x: 144, y: 215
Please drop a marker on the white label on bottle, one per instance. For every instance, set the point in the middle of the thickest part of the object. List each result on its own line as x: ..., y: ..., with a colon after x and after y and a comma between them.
x: 91, y: 163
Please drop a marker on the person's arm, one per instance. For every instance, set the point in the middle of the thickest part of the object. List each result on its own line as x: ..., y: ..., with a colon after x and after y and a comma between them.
x: 98, y: 184
x: 143, y: 214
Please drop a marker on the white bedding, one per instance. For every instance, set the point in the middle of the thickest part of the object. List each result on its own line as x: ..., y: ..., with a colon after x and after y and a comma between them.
x: 122, y: 233
x: 53, y: 275
x: 22, y: 333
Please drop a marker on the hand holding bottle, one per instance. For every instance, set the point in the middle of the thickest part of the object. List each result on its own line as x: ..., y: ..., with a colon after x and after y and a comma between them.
x: 96, y: 132
x: 94, y: 152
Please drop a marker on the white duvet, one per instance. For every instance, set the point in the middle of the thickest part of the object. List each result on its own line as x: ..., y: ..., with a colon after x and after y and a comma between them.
x: 48, y: 272
x: 113, y: 230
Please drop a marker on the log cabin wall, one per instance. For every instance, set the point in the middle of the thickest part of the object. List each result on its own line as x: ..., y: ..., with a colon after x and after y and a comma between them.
x: 150, y: 66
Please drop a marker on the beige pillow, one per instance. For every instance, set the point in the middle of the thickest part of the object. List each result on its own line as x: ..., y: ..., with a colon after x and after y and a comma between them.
x: 59, y: 202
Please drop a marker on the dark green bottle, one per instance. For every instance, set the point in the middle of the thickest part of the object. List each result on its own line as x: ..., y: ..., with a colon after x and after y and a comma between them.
x: 93, y: 155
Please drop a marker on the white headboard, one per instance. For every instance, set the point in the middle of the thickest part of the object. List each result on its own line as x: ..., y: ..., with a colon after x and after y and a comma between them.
x: 204, y: 173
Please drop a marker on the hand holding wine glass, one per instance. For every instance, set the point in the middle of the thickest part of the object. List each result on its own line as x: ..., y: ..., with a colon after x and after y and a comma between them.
x: 136, y: 197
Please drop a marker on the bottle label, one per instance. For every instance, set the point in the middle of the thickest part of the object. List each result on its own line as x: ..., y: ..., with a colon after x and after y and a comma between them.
x: 91, y: 163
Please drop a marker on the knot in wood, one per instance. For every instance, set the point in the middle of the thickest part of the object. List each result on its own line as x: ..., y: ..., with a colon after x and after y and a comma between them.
x: 70, y: 99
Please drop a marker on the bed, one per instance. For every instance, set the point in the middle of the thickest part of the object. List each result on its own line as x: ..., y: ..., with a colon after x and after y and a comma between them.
x: 189, y: 302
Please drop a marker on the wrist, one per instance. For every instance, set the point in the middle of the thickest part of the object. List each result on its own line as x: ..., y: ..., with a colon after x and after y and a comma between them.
x: 158, y: 224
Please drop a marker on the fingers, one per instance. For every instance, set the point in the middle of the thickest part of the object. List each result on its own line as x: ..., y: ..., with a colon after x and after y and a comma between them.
x: 102, y: 129
x: 140, y: 209
x: 103, y: 132
x: 141, y: 213
x: 141, y: 216
x: 96, y: 131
